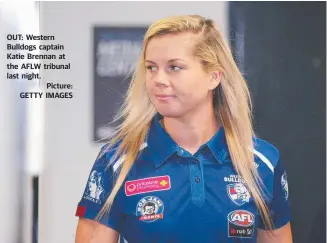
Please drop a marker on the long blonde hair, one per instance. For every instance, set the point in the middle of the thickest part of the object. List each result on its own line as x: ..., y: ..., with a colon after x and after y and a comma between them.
x: 231, y: 99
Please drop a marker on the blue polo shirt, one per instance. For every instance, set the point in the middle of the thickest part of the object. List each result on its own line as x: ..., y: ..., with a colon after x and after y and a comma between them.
x: 173, y: 196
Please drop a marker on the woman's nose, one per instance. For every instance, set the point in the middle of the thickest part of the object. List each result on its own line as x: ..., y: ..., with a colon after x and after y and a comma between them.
x: 161, y: 78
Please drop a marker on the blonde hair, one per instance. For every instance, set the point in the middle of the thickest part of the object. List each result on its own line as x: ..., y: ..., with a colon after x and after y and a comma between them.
x: 231, y: 99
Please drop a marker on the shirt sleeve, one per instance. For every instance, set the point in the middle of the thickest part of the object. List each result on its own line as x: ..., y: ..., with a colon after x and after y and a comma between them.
x: 96, y: 192
x: 279, y: 206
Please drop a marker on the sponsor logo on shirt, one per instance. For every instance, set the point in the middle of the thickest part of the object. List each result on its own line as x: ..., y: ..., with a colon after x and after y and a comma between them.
x: 150, y: 209
x: 94, y: 187
x: 285, y: 185
x: 151, y: 184
x: 238, y: 193
x: 240, y: 224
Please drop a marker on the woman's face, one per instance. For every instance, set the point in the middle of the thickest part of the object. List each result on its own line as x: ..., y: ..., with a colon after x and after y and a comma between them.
x: 175, y: 80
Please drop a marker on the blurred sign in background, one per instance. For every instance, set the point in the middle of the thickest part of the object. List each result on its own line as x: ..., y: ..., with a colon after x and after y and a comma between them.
x: 116, y: 50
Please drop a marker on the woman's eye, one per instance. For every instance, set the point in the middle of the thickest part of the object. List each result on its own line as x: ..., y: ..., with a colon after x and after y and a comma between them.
x: 174, y: 68
x: 154, y: 68
x: 150, y: 68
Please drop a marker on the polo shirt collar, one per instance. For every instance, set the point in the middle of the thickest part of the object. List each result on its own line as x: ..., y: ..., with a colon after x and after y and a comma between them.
x: 161, y: 145
x: 218, y: 146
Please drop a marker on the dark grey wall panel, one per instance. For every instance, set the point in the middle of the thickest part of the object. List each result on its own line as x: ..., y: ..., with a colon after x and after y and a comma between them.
x: 281, y: 49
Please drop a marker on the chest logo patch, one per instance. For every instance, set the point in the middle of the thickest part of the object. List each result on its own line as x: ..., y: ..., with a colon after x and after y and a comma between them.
x: 150, y: 209
x: 151, y: 184
x: 238, y: 193
x: 240, y: 224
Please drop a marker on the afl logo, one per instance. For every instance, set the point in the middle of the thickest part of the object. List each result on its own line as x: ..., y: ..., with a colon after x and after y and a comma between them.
x: 240, y: 224
x: 131, y: 187
x: 241, y: 218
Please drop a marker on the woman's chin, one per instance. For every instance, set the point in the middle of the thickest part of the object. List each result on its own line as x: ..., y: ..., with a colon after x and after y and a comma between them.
x: 170, y: 113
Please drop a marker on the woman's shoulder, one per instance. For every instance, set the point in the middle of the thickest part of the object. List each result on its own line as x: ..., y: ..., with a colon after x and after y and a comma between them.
x: 266, y: 152
x: 106, y: 155
x: 111, y: 157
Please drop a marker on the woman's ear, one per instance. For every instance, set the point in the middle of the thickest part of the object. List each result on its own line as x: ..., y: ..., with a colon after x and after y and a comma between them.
x: 215, y: 79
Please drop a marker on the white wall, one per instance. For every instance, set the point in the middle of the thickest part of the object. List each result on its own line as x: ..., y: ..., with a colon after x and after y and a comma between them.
x: 8, y: 139
x: 69, y: 151
x: 15, y: 178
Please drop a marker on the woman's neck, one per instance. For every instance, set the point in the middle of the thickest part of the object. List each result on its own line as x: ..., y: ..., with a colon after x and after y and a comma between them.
x: 193, y: 132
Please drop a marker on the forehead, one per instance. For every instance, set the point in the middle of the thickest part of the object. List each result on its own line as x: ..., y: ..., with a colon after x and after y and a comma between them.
x: 171, y: 46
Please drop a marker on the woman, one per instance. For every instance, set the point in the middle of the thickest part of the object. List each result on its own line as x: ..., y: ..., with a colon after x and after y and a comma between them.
x: 185, y: 165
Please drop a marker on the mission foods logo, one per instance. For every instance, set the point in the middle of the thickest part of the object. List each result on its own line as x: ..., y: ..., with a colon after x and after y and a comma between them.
x: 145, y: 185
x: 240, y: 224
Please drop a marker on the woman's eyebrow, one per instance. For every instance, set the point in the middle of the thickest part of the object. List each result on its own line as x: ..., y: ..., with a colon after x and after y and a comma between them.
x: 171, y: 60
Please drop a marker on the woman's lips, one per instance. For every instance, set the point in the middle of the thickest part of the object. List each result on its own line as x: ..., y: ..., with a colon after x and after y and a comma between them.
x: 164, y: 97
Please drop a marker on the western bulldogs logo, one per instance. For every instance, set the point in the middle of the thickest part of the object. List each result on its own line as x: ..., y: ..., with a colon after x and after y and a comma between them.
x: 238, y: 193
x: 94, y: 188
x: 149, y: 209
x: 285, y: 185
